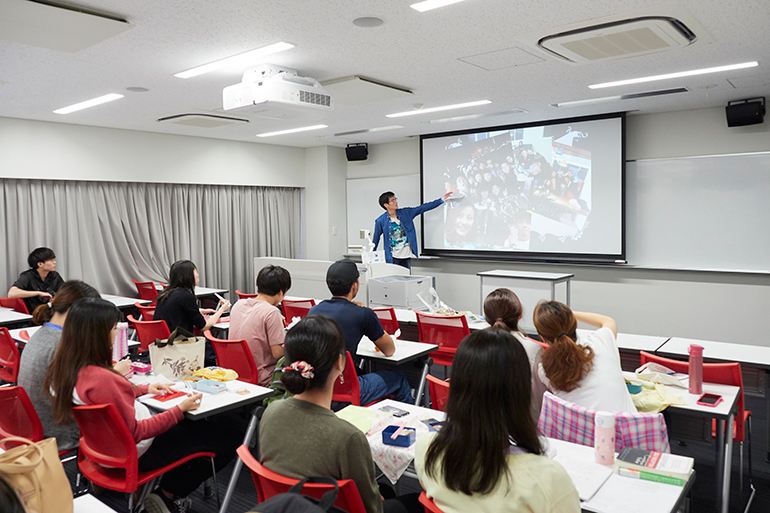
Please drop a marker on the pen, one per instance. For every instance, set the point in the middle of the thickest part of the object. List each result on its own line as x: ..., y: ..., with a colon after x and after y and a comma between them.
x: 219, y: 297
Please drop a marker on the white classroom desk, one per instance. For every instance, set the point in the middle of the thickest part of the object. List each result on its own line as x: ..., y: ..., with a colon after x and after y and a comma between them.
x: 13, y: 317
x: 89, y: 504
x: 631, y: 342
x: 124, y: 302
x: 21, y: 341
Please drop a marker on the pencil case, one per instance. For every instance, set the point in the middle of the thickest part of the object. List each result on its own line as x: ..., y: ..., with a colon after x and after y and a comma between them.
x: 209, y: 386
x: 404, y: 439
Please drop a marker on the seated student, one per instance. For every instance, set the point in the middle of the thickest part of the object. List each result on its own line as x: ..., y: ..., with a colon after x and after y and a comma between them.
x: 38, y: 284
x: 502, y: 310
x: 356, y: 321
x: 583, y: 370
x: 300, y: 436
x: 39, y: 352
x: 487, y: 457
x: 81, y: 374
x: 258, y: 320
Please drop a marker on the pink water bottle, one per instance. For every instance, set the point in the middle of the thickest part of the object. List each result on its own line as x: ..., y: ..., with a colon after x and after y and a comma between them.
x: 604, y: 437
x: 696, y: 368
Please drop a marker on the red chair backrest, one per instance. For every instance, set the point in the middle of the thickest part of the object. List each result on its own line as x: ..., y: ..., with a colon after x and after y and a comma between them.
x: 346, y: 388
x: 147, y: 312
x: 270, y: 484
x: 148, y: 331
x: 541, y: 344
x: 9, y: 357
x: 430, y: 506
x: 447, y: 331
x: 16, y: 303
x: 236, y: 355
x: 17, y: 416
x: 296, y: 308
x: 387, y: 317
x: 146, y: 290
x: 721, y: 373
x: 105, y: 440
x: 439, y: 392
x: 243, y: 295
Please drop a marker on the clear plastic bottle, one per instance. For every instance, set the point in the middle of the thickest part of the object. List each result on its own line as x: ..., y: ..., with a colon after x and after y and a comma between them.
x: 696, y: 368
x: 604, y: 437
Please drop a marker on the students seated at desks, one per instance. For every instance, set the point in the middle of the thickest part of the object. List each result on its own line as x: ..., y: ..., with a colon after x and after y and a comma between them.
x: 356, y: 320
x: 81, y: 374
x: 258, y: 320
x: 487, y: 457
x: 39, y: 352
x: 38, y: 284
x: 502, y: 310
x: 300, y: 436
x: 582, y: 370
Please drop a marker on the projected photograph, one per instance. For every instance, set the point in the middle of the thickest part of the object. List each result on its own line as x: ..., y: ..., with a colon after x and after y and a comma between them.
x: 530, y: 189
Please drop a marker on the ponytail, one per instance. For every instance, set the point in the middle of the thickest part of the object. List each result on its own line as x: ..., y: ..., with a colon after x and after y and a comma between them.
x: 69, y: 292
x: 42, y: 314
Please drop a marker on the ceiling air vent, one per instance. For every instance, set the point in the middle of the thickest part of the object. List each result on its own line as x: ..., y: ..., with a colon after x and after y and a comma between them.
x: 618, y: 39
x: 202, y: 120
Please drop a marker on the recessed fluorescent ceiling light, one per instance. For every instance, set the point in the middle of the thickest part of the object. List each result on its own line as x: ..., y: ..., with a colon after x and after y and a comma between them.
x: 89, y: 103
x: 242, y: 59
x: 293, y: 130
x: 427, y: 5
x: 633, y: 96
x: 681, y: 74
x: 437, y: 109
x: 369, y: 130
x: 476, y: 116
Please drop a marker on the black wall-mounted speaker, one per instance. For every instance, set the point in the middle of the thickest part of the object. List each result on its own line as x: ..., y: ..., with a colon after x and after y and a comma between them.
x: 357, y: 151
x: 745, y: 112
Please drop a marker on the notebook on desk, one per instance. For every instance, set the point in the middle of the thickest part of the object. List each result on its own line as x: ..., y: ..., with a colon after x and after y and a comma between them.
x: 587, y: 476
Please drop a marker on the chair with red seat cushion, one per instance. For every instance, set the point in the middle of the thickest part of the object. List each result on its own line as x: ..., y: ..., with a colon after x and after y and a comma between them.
x: 16, y: 303
x: 270, y: 484
x: 18, y: 416
x: 146, y: 290
x: 296, y: 308
x: 9, y: 357
x: 147, y: 311
x: 148, y: 331
x: 439, y: 392
x: 430, y: 506
x: 236, y: 355
x: 446, y: 331
x: 346, y: 387
x: 243, y: 295
x: 387, y: 317
x: 107, y: 455
x: 723, y: 374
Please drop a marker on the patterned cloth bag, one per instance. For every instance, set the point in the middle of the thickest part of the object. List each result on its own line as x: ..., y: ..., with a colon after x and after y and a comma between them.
x: 179, y: 355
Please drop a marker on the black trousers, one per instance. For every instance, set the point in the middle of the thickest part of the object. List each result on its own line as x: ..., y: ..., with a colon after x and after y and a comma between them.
x: 220, y: 434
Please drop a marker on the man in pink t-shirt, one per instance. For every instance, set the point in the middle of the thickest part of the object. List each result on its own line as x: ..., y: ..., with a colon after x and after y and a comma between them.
x: 259, y: 322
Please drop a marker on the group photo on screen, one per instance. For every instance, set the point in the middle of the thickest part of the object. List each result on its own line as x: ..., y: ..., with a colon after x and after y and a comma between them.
x: 515, y: 189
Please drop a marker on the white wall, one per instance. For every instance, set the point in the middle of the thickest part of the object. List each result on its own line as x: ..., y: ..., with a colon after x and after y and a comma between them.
x: 325, y: 203
x: 711, y: 306
x: 43, y: 150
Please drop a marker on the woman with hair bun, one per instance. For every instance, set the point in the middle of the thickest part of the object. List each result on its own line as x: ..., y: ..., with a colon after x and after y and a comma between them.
x: 502, y: 310
x: 301, y: 436
x: 583, y: 370
x: 39, y: 352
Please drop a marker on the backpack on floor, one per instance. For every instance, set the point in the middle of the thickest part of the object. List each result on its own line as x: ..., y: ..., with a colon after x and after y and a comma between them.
x: 293, y: 502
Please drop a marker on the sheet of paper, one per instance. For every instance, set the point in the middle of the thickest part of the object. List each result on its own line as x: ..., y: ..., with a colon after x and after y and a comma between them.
x: 358, y: 416
x: 587, y: 476
x: 636, y: 495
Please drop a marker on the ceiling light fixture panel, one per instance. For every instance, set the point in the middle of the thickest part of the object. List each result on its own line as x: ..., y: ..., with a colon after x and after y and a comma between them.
x: 438, y: 109
x: 242, y: 60
x: 429, y: 5
x: 680, y: 74
x: 89, y: 103
x: 293, y: 130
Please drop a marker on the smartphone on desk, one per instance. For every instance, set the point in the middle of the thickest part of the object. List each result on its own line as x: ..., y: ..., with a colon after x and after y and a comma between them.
x: 709, y: 399
x: 396, y: 412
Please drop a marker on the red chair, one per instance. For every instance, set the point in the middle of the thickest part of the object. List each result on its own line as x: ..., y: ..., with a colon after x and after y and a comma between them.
x: 148, y: 331
x: 9, y: 357
x: 147, y: 312
x: 346, y: 388
x: 236, y: 355
x: 296, y: 308
x: 243, y: 295
x: 16, y: 303
x: 387, y: 317
x: 447, y: 331
x: 108, y: 457
x: 430, y: 506
x: 439, y: 392
x: 146, y: 290
x: 270, y: 484
x: 18, y: 416
x: 723, y: 374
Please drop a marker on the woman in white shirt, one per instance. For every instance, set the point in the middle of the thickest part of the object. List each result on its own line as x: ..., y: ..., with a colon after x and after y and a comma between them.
x: 487, y: 457
x: 583, y: 370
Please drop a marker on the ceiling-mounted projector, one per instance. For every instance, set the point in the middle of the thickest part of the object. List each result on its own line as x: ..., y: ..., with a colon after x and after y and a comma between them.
x: 276, y: 92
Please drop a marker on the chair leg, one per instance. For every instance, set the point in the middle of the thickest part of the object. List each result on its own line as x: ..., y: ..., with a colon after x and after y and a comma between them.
x: 216, y: 486
x: 751, y: 475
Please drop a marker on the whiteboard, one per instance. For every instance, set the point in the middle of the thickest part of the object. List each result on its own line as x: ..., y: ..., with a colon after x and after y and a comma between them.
x: 363, y: 194
x: 705, y: 213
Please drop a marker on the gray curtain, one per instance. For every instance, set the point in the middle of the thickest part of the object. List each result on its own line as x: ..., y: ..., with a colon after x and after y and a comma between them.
x: 108, y: 233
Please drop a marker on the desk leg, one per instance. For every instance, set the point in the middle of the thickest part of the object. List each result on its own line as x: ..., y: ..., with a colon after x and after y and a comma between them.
x: 255, y: 416
x: 421, y: 387
x: 719, y: 463
x: 767, y: 402
x: 727, y: 467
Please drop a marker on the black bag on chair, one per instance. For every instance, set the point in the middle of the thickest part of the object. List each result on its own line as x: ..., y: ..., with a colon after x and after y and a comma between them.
x: 293, y: 502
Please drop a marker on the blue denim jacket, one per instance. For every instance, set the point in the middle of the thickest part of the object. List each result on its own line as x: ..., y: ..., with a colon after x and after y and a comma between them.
x: 406, y: 216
